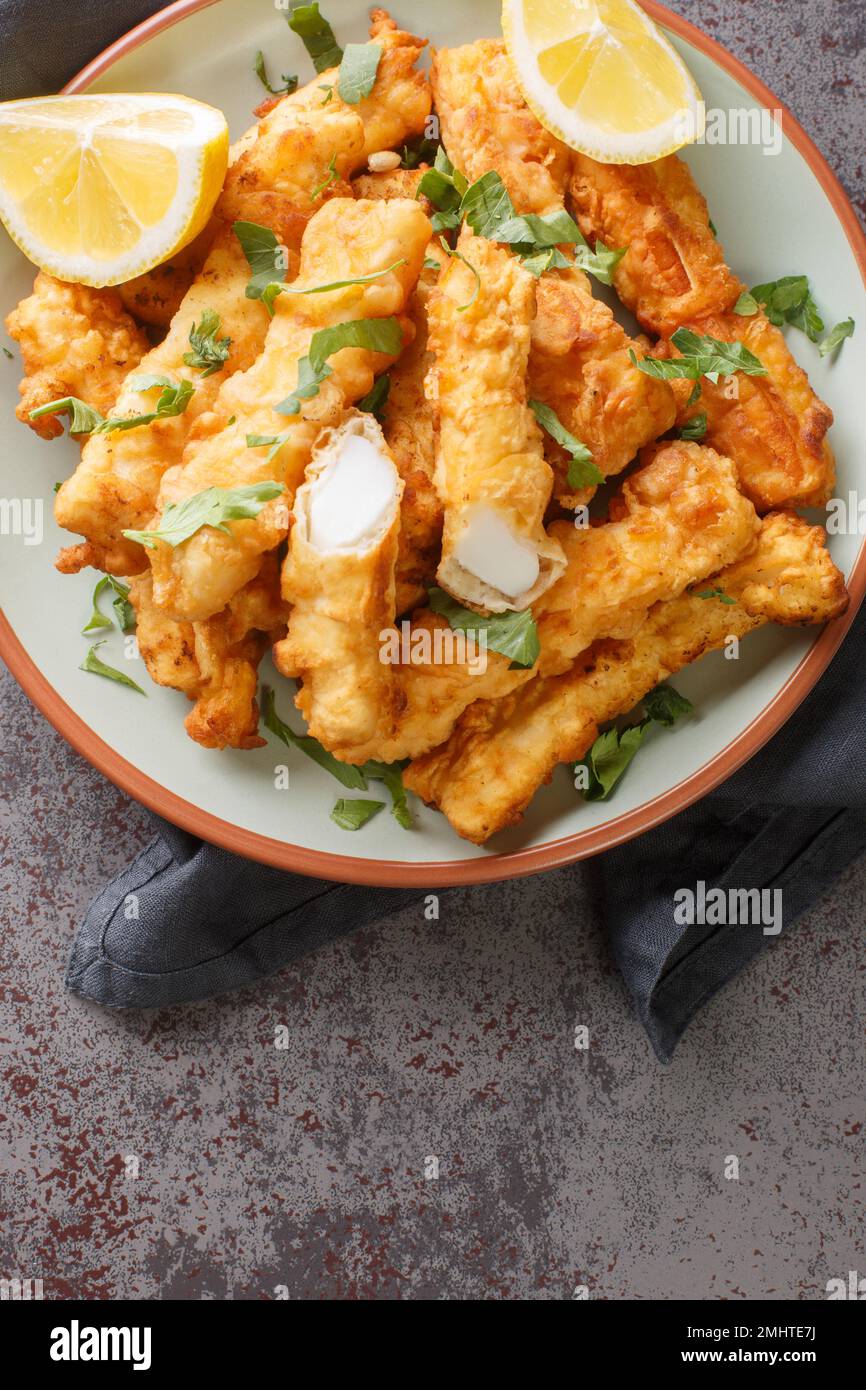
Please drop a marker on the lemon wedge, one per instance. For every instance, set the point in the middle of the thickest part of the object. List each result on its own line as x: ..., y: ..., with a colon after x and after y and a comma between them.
x: 98, y: 189
x: 603, y: 78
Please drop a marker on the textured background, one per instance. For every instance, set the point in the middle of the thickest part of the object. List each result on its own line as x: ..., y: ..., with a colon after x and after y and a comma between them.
x: 304, y: 1167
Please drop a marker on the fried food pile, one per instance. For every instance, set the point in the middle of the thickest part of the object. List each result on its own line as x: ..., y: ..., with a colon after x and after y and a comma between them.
x: 414, y: 426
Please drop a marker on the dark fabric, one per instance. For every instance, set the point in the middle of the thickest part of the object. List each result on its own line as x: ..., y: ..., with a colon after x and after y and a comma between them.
x: 43, y: 43
x: 186, y: 921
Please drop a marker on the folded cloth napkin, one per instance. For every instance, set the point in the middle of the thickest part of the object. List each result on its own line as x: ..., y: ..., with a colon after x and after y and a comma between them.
x: 186, y: 920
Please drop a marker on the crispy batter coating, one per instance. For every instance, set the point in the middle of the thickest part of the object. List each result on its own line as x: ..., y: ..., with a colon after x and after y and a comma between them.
x: 773, y: 427
x: 486, y: 125
x: 346, y: 239
x: 277, y: 166
x: 489, y: 452
x: 155, y: 297
x: 215, y: 664
x: 75, y: 341
x: 677, y: 521
x: 579, y: 365
x: 502, y: 751
x: 390, y: 183
x: 342, y: 600
x: 674, y: 269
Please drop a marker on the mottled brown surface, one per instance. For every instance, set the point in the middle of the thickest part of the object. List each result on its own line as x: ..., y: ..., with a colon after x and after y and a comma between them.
x: 305, y: 1167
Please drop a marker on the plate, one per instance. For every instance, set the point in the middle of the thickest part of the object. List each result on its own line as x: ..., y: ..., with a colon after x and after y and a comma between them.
x: 775, y: 215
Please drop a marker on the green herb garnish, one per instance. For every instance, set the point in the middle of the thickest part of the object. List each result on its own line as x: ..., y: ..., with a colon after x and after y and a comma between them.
x: 358, y: 70
x: 378, y: 335
x: 351, y: 815
x: 582, y: 472
x: 458, y: 255
x: 701, y: 356
x: 214, y: 507
x: 265, y: 256
x: 376, y: 398
x: 695, y: 428
x: 84, y: 419
x: 350, y: 776
x: 836, y: 336
x: 96, y: 667
x: 332, y: 176
x: 511, y: 634
x: 290, y: 83
x: 613, y: 751
x: 123, y: 609
x: 714, y: 593
x: 317, y: 35
x: 208, y: 351
x: 443, y: 186
x: 421, y: 150
x: 335, y: 284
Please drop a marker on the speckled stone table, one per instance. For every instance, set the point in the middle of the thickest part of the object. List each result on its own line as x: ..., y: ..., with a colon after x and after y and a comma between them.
x: 430, y: 1130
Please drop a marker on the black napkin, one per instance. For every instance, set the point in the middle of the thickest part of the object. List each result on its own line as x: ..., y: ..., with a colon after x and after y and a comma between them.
x: 187, y: 920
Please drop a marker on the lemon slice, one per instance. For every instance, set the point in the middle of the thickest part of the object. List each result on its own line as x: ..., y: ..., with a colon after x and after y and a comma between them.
x: 603, y: 78
x: 98, y: 189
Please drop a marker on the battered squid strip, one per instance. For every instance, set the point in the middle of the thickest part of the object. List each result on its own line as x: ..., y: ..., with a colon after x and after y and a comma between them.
x: 502, y: 751
x: 278, y: 165
x: 678, y: 520
x: 491, y: 474
x: 75, y: 341
x: 674, y: 275
x: 486, y: 126
x: 339, y: 577
x: 214, y: 664
x: 346, y: 240
x: 774, y: 426
x: 674, y: 268
x: 579, y: 364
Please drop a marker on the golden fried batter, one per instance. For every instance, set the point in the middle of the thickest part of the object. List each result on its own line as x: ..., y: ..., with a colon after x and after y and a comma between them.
x: 579, y: 365
x: 502, y: 751
x: 674, y: 269
x: 772, y: 426
x: 75, y: 341
x: 486, y: 125
x: 215, y: 664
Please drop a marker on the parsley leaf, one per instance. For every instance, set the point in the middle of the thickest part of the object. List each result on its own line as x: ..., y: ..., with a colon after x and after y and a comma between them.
x: 714, y: 593
x: 317, y: 35
x: 836, y: 336
x: 789, y: 300
x: 665, y: 705
x: 746, y: 305
x: 96, y: 667
x: 612, y: 753
x: 358, y: 71
x: 214, y: 507
x: 123, y: 609
x: 351, y: 815
x: 701, y: 356
x: 336, y: 284
x: 582, y: 472
x: 419, y: 151
x: 265, y: 256
x: 488, y: 209
x: 511, y: 634
x: 208, y: 352
x: 376, y: 398
x: 331, y: 177
x: 392, y: 776
x: 290, y: 84
x: 378, y: 335
x: 458, y: 256
x: 276, y: 441
x: 443, y: 186
x: 83, y: 418
x: 695, y: 428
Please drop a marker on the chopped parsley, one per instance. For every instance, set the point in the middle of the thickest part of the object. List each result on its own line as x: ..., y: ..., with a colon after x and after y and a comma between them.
x: 215, y: 507
x: 290, y: 83
x: 511, y: 634
x: 317, y: 35
x: 208, y: 351
x: 701, y: 356
x: 582, y: 472
x: 378, y: 335
x: 613, y: 751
